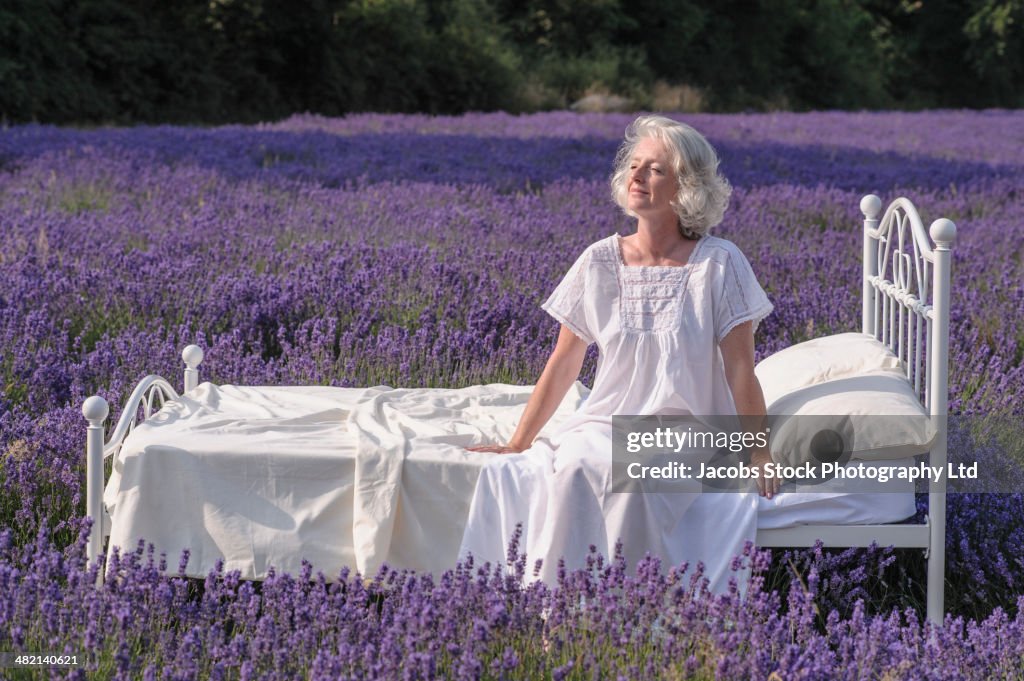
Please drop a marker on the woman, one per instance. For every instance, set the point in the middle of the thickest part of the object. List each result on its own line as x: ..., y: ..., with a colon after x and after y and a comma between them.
x: 673, y: 312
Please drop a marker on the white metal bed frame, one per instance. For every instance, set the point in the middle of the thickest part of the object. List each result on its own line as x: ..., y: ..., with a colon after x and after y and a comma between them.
x: 906, y: 299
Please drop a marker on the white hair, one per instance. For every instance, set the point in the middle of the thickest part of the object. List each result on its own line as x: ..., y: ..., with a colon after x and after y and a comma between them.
x: 703, y: 193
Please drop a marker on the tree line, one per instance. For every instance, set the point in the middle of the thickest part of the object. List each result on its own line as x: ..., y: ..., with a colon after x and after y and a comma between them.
x: 213, y: 61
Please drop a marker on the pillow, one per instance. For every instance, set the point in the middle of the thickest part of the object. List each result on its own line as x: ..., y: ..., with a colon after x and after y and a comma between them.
x: 823, y: 359
x: 873, y: 417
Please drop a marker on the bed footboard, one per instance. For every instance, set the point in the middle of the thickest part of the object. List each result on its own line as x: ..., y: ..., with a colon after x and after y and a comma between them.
x: 149, y: 395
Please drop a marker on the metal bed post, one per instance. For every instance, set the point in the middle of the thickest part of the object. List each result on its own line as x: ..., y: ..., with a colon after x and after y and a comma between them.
x: 95, y: 411
x: 942, y: 232
x: 871, y: 206
x: 193, y: 357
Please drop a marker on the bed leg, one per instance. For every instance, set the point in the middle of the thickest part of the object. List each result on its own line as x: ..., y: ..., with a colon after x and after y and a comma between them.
x: 936, y: 572
x: 193, y: 357
x: 937, y: 554
x: 95, y: 410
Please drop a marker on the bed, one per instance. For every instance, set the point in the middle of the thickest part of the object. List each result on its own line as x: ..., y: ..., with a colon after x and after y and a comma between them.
x: 261, y: 478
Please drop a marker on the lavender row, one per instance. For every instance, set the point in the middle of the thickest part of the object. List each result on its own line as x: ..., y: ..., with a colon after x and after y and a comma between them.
x: 473, y: 622
x: 858, y: 152
x: 415, y: 251
x: 960, y: 136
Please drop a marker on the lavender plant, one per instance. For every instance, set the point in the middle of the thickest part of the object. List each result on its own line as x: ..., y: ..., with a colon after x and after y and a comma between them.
x: 415, y: 251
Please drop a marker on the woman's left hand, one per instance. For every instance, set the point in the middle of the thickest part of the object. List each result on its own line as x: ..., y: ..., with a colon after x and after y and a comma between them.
x: 767, y: 486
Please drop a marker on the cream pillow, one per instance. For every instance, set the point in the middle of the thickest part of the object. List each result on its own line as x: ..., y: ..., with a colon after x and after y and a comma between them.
x: 823, y: 359
x: 876, y: 414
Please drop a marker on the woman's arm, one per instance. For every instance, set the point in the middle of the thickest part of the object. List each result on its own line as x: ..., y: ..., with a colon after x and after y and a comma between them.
x: 738, y: 355
x: 559, y: 374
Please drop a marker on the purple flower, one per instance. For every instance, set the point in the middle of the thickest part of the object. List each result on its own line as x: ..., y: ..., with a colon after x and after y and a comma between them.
x: 415, y: 251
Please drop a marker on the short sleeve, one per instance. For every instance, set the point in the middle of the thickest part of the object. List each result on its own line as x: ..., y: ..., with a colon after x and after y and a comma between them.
x: 739, y: 297
x: 567, y: 303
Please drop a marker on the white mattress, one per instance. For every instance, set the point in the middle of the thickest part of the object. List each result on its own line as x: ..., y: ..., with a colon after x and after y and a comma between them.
x: 261, y: 477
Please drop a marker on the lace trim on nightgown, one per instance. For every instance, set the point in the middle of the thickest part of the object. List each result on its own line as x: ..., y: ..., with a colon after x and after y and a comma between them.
x: 651, y: 296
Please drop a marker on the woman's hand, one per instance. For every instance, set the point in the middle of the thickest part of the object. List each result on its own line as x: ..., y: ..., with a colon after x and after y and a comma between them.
x: 497, y: 449
x: 767, y: 486
x: 559, y: 373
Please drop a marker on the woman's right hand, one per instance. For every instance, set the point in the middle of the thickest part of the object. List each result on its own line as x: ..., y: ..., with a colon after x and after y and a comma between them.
x: 559, y: 373
x: 497, y: 449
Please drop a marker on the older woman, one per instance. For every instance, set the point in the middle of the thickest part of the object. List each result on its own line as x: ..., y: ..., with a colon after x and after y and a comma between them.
x: 673, y: 312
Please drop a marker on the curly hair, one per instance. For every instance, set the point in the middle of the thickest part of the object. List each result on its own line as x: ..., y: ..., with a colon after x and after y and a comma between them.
x: 703, y: 193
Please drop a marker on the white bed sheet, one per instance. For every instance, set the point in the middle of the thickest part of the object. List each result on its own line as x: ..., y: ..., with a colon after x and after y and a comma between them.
x: 261, y: 477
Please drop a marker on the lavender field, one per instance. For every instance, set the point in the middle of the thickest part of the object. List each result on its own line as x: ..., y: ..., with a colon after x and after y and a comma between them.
x: 415, y: 251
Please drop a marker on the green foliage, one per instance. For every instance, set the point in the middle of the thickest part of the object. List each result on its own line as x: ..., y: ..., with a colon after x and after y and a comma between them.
x: 570, y: 48
x: 473, y: 67
x: 792, y: 54
x: 996, y: 50
x: 78, y: 198
x: 211, y: 61
x: 950, y: 53
x: 39, y: 69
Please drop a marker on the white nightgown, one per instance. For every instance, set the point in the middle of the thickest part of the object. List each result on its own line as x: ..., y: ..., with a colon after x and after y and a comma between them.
x: 657, y: 330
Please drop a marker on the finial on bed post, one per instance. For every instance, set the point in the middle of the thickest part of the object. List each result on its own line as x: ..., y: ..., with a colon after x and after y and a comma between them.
x: 193, y: 356
x: 943, y: 233
x: 95, y: 410
x: 871, y: 206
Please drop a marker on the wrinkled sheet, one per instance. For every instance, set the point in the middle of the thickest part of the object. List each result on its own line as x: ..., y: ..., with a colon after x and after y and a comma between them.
x: 267, y: 477
x: 342, y: 477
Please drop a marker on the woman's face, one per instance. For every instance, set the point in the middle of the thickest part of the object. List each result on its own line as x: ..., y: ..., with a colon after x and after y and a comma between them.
x: 652, y: 182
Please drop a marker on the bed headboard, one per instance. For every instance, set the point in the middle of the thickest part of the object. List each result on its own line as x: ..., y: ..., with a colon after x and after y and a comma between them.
x: 906, y: 306
x: 906, y: 293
